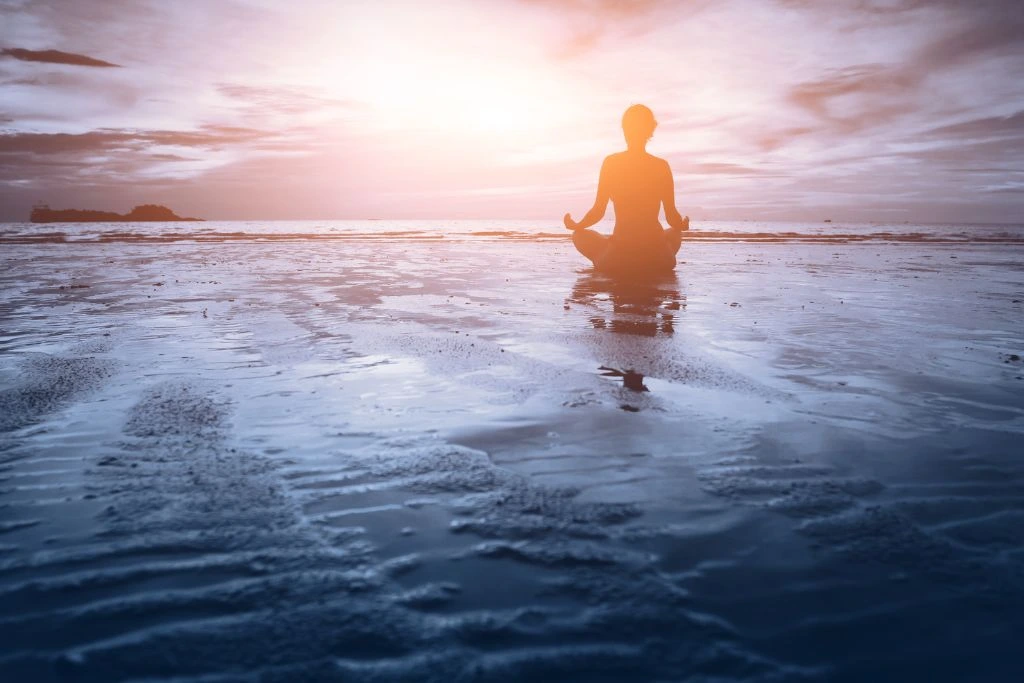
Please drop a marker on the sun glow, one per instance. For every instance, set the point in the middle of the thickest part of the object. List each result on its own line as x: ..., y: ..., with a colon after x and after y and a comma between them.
x: 441, y: 73
x: 440, y: 95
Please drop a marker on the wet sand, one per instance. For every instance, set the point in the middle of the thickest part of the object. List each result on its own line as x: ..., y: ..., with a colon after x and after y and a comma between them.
x: 391, y: 459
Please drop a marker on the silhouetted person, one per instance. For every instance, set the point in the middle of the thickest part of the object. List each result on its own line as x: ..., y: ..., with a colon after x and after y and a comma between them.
x: 638, y: 184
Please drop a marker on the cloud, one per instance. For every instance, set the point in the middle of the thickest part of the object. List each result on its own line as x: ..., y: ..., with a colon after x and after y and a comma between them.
x: 54, y: 57
x: 784, y: 104
x: 281, y: 99
x: 979, y: 27
x: 987, y: 127
x: 856, y: 97
x: 58, y: 80
x: 112, y: 158
x: 773, y: 140
x: 110, y: 140
x: 591, y: 21
x: 720, y: 168
x: 1008, y: 151
x: 606, y: 10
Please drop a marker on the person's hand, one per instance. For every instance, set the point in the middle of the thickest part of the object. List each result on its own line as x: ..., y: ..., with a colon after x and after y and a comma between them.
x: 570, y: 224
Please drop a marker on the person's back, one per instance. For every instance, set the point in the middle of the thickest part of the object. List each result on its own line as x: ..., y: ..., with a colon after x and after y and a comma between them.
x: 637, y: 183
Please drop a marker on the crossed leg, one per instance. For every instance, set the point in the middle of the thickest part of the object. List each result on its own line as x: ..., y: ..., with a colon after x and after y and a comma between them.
x: 591, y: 244
x: 673, y: 238
x: 594, y: 245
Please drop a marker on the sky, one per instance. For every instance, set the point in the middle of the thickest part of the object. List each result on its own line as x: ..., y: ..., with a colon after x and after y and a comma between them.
x: 856, y: 110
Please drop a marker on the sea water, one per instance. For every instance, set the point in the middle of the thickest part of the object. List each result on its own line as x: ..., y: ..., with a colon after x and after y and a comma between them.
x: 492, y: 229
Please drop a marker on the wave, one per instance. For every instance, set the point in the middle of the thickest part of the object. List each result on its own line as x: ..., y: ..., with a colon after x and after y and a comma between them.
x: 494, y: 235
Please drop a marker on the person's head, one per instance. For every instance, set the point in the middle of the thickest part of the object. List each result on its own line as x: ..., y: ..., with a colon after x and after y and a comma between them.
x: 638, y: 125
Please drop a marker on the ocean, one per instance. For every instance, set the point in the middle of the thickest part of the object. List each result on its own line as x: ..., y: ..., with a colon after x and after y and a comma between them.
x: 496, y: 230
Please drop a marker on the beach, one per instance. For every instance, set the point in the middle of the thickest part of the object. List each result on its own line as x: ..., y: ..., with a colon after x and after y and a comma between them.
x: 383, y: 456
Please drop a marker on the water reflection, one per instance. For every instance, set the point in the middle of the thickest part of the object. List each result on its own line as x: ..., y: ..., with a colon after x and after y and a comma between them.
x: 645, y: 307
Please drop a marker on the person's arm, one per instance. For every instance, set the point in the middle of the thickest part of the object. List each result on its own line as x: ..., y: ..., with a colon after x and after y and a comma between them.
x: 596, y: 212
x: 669, y: 200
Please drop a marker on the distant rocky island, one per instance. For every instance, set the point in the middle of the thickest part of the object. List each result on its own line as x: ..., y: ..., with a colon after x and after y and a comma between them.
x: 41, y: 213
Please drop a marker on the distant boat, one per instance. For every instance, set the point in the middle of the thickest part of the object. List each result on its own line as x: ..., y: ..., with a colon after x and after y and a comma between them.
x: 145, y: 213
x: 828, y: 220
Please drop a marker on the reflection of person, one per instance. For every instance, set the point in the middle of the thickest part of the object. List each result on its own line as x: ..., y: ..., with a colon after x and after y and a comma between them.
x: 645, y: 308
x: 638, y: 184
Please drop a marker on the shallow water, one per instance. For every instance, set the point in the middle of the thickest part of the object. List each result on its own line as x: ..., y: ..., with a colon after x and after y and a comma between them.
x: 388, y: 459
x: 495, y: 230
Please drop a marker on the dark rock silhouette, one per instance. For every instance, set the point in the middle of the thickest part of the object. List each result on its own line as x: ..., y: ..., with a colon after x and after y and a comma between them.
x: 41, y: 213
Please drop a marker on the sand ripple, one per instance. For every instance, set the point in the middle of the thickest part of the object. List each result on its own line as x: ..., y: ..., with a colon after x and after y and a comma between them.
x: 381, y: 462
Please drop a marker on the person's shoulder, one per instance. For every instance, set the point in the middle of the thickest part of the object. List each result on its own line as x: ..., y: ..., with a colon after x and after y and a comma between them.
x: 613, y: 158
x: 661, y: 164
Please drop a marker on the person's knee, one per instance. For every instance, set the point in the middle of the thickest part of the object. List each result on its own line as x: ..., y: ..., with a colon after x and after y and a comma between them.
x: 586, y: 242
x: 673, y: 240
x: 591, y: 244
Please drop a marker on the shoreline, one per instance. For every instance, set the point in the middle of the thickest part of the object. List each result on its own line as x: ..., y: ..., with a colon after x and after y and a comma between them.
x: 493, y: 235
